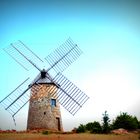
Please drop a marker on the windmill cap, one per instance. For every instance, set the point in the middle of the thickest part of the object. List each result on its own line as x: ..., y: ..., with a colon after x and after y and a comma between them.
x: 44, y: 78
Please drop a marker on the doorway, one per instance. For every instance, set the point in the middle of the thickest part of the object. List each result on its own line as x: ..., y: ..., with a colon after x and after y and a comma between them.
x: 58, y: 123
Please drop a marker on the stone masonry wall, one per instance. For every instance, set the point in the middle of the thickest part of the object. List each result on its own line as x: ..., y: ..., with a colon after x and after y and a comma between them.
x: 41, y: 114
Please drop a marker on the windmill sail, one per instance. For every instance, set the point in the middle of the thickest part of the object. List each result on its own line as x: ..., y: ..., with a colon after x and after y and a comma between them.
x: 23, y: 55
x: 17, y: 98
x: 68, y: 95
x: 63, y: 56
x: 10, y: 103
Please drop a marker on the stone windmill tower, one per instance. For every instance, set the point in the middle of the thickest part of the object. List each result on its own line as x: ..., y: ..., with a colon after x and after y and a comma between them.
x: 48, y: 89
x: 44, y: 109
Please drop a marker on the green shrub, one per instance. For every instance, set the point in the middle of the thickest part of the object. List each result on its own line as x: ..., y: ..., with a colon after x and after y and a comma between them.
x: 89, y: 126
x: 45, y: 132
x: 139, y: 125
x: 96, y: 128
x: 81, y: 129
x: 125, y: 121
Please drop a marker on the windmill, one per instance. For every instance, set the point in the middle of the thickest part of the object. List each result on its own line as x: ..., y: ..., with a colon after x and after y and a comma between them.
x: 49, y: 89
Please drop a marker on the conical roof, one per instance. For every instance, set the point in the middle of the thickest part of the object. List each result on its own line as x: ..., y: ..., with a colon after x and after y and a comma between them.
x: 41, y: 79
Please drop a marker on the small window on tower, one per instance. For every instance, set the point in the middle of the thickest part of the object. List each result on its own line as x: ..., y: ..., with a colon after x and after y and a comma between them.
x: 53, y: 102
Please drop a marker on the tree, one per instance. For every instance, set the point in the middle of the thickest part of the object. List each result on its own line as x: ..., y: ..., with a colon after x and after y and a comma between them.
x: 125, y: 121
x: 81, y: 129
x: 94, y: 127
x: 106, y: 120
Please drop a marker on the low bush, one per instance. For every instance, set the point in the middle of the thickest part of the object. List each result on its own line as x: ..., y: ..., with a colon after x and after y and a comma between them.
x: 81, y: 129
x: 45, y: 132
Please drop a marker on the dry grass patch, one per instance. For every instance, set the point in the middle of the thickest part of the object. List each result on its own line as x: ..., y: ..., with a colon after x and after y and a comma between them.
x: 27, y: 136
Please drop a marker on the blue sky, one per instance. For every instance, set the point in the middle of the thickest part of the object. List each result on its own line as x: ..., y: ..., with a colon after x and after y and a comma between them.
x: 108, y: 33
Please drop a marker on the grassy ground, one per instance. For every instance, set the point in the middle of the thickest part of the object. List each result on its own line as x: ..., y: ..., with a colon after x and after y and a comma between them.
x: 28, y: 136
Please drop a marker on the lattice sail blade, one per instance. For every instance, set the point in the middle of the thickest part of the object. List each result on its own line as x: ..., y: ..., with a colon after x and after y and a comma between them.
x: 68, y: 95
x: 23, y: 55
x: 17, y: 98
x: 63, y: 56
